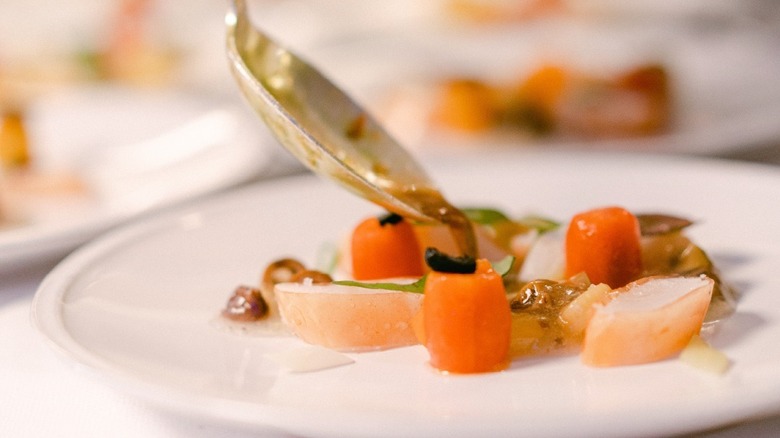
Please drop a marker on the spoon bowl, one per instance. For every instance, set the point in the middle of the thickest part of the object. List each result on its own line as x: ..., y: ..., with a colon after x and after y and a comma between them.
x: 330, y: 133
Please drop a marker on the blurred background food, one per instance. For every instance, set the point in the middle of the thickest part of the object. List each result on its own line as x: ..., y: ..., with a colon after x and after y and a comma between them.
x: 554, y: 99
x: 714, y: 61
x: 82, y: 77
x: 123, y: 104
x: 717, y: 66
x: 46, y: 45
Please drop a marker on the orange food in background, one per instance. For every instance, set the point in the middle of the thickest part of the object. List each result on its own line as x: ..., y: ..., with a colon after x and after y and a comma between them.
x: 634, y: 103
x: 467, y: 105
x: 545, y: 87
x: 467, y: 321
x: 605, y: 244
x: 554, y: 99
x: 534, y: 104
x: 14, y: 151
x: 652, y: 83
x: 488, y: 12
x: 128, y: 55
x: 385, y: 250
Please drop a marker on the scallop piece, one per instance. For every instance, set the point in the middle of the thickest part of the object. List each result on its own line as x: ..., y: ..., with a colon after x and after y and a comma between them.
x: 648, y: 320
x: 348, y: 318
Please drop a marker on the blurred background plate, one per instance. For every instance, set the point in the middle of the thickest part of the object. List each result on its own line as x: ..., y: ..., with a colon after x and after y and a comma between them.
x: 105, y: 153
x: 721, y: 58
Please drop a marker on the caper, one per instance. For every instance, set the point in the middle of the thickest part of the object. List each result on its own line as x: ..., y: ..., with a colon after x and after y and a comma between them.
x: 316, y: 277
x: 246, y: 304
x: 281, y: 271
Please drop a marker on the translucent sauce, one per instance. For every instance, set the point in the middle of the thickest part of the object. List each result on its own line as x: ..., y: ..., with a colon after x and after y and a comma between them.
x: 537, y: 326
x: 431, y: 203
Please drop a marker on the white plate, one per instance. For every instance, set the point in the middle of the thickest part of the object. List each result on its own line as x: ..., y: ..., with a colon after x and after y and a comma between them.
x: 136, y: 150
x: 138, y: 307
x: 724, y: 72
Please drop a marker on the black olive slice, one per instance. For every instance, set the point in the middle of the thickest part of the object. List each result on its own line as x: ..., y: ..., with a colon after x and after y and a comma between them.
x: 441, y: 262
x: 390, y: 218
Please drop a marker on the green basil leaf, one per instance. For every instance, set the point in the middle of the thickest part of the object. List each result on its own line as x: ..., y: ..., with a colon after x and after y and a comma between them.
x: 503, y: 266
x: 541, y: 224
x: 484, y: 216
x: 417, y: 287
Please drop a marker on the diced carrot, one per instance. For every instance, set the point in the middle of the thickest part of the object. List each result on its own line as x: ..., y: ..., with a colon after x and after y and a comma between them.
x: 605, y: 244
x: 385, y: 250
x: 467, y: 321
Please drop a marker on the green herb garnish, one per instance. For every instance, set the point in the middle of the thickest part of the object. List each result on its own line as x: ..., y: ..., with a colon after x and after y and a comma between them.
x: 502, y: 267
x: 539, y: 223
x: 484, y: 216
x: 416, y: 287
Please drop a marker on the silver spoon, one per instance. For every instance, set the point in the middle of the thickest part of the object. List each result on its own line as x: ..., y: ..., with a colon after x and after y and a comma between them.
x: 329, y: 133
